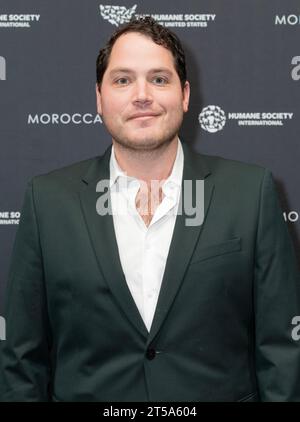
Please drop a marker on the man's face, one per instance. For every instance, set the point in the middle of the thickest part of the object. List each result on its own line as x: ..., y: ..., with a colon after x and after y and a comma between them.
x: 140, y: 80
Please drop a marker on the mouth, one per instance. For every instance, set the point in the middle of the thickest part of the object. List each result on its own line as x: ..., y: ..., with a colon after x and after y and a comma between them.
x: 144, y: 117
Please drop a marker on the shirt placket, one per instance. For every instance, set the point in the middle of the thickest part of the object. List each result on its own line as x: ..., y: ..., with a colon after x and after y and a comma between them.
x: 149, y: 288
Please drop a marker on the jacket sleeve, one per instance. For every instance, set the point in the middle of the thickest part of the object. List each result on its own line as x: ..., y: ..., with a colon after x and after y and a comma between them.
x: 24, y: 363
x: 276, y: 302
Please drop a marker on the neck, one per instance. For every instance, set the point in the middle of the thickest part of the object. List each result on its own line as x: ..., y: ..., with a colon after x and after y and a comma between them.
x: 147, y: 165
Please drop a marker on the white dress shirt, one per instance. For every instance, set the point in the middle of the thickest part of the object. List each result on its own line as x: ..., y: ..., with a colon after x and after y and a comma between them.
x: 143, y: 250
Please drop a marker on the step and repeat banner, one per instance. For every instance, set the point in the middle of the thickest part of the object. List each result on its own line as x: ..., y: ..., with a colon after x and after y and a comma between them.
x: 243, y: 63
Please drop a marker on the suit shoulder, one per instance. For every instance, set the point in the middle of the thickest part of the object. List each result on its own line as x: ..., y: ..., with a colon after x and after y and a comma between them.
x: 66, y: 175
x: 236, y: 179
x: 70, y: 170
x: 224, y: 166
x: 63, y: 180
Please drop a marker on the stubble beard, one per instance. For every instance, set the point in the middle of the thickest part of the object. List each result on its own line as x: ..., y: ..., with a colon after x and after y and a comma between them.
x: 147, y: 145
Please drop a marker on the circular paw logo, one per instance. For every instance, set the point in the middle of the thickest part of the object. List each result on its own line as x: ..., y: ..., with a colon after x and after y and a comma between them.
x: 212, y: 118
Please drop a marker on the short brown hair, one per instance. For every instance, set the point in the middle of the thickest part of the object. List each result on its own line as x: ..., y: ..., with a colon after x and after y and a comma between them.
x: 150, y: 28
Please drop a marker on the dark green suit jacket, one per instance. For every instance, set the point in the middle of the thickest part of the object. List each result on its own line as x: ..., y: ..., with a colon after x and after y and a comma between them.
x: 223, y: 322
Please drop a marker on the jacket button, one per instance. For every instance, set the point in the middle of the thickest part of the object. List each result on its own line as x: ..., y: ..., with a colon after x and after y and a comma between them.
x: 150, y: 354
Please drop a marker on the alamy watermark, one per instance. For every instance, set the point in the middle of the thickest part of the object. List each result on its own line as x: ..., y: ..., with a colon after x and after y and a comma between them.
x: 2, y: 328
x: 191, y: 199
x: 2, y: 69
x: 296, y: 329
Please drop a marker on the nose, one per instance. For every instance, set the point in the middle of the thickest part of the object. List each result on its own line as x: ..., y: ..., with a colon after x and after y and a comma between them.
x: 142, y: 94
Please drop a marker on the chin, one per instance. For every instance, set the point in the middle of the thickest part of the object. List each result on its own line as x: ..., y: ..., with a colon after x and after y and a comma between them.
x: 143, y: 145
x: 147, y: 141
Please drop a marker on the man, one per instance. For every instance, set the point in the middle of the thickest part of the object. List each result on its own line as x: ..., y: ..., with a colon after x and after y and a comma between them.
x: 146, y: 305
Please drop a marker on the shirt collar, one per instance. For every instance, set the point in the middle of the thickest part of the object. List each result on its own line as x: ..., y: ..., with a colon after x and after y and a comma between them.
x: 175, y: 177
x: 115, y: 169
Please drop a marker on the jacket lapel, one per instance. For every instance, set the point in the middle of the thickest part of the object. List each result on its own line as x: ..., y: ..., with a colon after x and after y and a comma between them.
x: 183, y: 241
x: 103, y: 239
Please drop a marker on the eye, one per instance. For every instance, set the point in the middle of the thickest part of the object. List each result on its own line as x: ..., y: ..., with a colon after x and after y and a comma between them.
x: 161, y: 80
x: 121, y: 81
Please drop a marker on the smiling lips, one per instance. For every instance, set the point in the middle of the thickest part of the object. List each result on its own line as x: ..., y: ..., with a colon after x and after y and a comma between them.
x: 143, y: 116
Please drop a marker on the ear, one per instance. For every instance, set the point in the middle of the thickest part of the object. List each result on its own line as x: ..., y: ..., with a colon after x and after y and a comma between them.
x: 186, y: 96
x: 98, y: 98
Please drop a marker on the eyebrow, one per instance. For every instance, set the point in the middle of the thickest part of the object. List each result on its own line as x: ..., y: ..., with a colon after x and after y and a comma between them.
x: 130, y: 71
